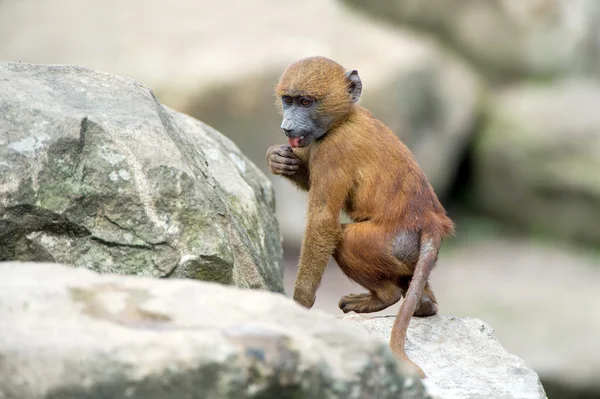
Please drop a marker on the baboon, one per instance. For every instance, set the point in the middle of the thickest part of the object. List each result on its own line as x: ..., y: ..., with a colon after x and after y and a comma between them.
x: 348, y: 160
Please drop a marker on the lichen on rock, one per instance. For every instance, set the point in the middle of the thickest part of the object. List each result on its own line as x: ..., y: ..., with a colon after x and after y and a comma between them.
x: 97, y: 173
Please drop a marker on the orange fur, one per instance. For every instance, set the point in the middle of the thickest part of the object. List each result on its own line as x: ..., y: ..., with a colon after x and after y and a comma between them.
x: 361, y: 167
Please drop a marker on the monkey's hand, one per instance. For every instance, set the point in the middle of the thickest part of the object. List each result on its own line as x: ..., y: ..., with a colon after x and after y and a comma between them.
x: 305, y: 297
x: 282, y: 161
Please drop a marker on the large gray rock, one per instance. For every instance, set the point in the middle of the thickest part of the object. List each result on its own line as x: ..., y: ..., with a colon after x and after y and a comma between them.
x: 71, y: 334
x: 95, y: 172
x: 537, y: 160
x: 461, y: 357
x: 507, y: 37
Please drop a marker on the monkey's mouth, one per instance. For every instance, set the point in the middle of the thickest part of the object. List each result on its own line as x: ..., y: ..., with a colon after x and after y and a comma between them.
x: 295, y: 141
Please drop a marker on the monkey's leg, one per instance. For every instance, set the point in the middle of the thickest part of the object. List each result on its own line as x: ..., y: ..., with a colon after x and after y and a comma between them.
x: 428, y: 305
x: 363, y: 256
x: 384, y: 295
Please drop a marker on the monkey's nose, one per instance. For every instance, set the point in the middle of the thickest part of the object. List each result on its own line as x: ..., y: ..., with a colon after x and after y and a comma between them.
x: 287, y: 132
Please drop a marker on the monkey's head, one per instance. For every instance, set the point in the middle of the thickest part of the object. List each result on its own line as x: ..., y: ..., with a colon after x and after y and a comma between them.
x: 312, y: 95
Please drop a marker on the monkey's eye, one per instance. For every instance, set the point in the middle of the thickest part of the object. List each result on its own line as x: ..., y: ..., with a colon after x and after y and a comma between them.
x: 305, y: 102
x: 287, y: 100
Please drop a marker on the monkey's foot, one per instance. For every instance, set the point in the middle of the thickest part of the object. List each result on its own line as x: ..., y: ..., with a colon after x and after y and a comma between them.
x: 360, y: 303
x: 427, y: 307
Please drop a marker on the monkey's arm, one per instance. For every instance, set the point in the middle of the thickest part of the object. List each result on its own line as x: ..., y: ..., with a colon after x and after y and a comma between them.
x: 322, y: 235
x: 293, y: 166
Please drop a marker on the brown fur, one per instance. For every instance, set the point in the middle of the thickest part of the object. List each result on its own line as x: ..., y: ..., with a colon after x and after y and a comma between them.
x: 361, y: 167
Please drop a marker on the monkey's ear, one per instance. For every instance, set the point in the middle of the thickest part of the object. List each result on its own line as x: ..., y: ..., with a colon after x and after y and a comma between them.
x: 354, y: 85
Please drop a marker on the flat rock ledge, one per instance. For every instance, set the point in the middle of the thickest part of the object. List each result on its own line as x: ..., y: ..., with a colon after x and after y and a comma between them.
x: 71, y: 333
x: 461, y: 357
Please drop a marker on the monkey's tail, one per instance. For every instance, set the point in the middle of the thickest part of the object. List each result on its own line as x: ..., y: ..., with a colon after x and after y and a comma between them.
x: 430, y: 245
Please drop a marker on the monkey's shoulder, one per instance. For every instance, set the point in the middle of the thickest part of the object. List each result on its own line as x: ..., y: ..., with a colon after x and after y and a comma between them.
x: 335, y: 151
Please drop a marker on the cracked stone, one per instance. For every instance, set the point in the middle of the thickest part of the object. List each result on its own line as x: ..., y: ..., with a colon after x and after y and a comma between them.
x: 115, y: 182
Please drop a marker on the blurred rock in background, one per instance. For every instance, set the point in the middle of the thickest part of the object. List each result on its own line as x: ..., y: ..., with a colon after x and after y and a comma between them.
x: 537, y: 161
x: 496, y: 99
x: 506, y: 37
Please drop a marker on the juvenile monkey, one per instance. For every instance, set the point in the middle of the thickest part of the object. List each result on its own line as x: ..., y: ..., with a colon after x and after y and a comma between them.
x: 348, y: 160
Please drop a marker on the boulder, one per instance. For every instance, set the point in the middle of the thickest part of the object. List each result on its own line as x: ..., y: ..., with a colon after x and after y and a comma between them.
x: 95, y: 172
x: 532, y: 318
x: 461, y: 357
x: 506, y: 37
x: 71, y: 333
x: 521, y: 286
x: 537, y: 159
x: 426, y: 95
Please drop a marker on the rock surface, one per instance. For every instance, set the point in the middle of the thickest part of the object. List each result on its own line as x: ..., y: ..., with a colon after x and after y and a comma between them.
x: 476, y: 277
x: 506, y: 37
x: 461, y: 357
x: 71, y: 333
x: 537, y: 160
x: 95, y: 172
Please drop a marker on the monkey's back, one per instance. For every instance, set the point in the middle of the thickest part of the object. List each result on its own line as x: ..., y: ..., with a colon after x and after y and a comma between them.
x: 401, y: 195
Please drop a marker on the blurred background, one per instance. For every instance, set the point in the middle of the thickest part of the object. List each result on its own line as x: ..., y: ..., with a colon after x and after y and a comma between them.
x: 499, y: 101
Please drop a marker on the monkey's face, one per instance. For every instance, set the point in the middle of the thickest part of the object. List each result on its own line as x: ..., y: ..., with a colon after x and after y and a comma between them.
x: 312, y: 95
x: 301, y: 121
